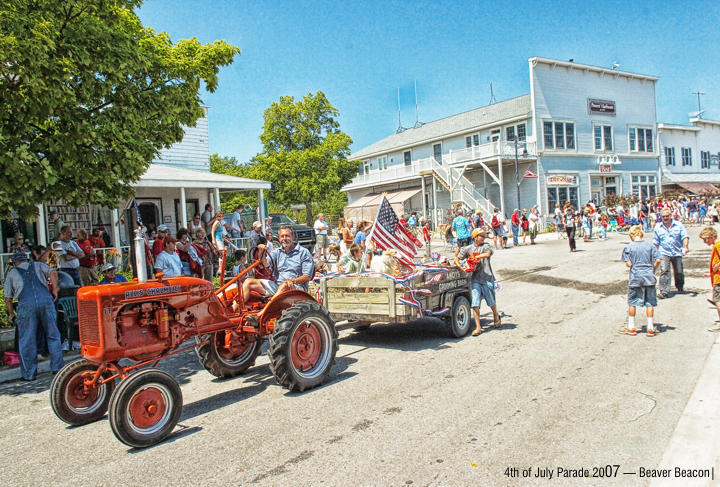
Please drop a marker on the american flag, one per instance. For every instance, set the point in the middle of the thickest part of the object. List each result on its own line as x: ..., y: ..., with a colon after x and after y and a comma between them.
x: 388, y: 233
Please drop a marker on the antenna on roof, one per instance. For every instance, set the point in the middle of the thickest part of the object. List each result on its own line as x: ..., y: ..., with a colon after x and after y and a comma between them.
x: 615, y: 65
x: 698, y: 93
x: 400, y: 127
x: 492, y: 95
x: 418, y: 123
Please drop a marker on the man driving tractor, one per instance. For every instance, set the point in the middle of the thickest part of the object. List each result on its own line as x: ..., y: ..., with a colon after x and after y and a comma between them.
x: 292, y: 267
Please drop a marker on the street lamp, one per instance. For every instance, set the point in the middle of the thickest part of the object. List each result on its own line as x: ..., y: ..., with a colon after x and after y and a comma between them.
x: 517, y: 170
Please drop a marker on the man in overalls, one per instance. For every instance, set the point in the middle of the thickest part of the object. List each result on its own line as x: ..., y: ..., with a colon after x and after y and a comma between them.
x: 27, y: 282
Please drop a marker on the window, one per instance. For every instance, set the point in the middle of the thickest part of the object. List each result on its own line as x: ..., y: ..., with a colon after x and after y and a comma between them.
x: 561, y: 194
x: 512, y: 130
x: 382, y: 163
x: 557, y: 135
x: 468, y: 142
x: 476, y: 139
x: 603, y: 138
x: 705, y: 159
x: 406, y: 156
x: 437, y: 153
x: 641, y: 140
x: 510, y: 133
x: 521, y: 132
x: 686, y: 156
x: 670, y: 156
x: 495, y: 135
x: 643, y: 186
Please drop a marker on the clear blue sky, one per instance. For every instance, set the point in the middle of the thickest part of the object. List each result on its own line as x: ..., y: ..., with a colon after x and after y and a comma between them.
x: 359, y: 53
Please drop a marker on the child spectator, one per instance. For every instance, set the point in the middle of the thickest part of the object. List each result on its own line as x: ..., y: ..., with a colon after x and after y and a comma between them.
x: 709, y: 236
x: 240, y: 262
x: 641, y: 258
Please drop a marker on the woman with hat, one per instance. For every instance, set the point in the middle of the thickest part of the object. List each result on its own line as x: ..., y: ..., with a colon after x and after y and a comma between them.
x: 109, y: 276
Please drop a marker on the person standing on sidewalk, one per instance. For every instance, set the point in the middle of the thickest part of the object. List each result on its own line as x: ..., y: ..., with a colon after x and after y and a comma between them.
x: 570, y: 224
x: 482, y: 282
x: 515, y: 225
x: 672, y: 240
x: 27, y: 283
x: 321, y: 235
x: 709, y: 236
x: 69, y: 254
x: 641, y: 258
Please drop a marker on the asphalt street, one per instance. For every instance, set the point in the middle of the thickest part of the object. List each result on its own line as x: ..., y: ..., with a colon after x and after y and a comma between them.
x: 556, y: 389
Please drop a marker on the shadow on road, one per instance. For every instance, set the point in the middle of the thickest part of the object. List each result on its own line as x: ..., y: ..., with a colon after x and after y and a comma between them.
x: 429, y: 333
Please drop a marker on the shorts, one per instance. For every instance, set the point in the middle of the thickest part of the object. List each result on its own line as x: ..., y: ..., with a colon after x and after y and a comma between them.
x: 716, y: 293
x: 271, y: 287
x: 464, y: 242
x: 480, y: 291
x: 644, y: 296
x: 497, y: 231
x: 321, y: 241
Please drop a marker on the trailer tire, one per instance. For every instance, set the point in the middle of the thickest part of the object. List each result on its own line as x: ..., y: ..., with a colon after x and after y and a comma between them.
x: 218, y: 361
x: 71, y: 403
x: 145, y: 408
x: 303, y: 346
x: 460, y: 316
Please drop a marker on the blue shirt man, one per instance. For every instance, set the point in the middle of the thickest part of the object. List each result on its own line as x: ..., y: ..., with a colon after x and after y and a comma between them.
x: 109, y: 276
x: 461, y: 226
x: 168, y: 261
x: 672, y: 241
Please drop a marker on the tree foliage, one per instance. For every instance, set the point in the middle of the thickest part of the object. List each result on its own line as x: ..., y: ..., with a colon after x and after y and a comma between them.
x: 88, y: 96
x: 304, y: 152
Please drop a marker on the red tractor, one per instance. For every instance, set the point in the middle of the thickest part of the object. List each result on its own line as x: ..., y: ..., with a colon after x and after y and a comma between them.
x: 127, y: 328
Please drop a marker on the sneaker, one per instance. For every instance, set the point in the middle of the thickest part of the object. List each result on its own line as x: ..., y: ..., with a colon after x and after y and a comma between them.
x: 627, y: 331
x: 65, y: 345
x: 650, y: 333
x: 76, y: 345
x: 712, y: 302
x: 662, y: 296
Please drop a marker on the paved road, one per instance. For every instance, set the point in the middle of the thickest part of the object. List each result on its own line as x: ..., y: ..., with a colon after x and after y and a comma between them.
x: 555, y: 387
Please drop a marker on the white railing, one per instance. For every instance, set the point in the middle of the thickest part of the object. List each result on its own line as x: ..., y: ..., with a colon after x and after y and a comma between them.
x: 492, y: 150
x: 462, y: 188
x: 383, y: 176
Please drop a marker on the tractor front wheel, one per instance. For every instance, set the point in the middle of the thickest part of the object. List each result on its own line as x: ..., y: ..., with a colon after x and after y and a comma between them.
x: 225, y: 362
x: 303, y: 346
x: 73, y: 401
x: 145, y: 408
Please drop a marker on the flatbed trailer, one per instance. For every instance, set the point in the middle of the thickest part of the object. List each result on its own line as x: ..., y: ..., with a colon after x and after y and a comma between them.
x: 361, y: 301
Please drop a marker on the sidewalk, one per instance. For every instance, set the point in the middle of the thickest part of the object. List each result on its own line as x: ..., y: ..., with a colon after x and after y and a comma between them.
x: 8, y: 374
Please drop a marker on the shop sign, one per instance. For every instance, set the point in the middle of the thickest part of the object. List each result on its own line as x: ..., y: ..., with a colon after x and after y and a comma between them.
x: 561, y: 180
x: 605, y: 168
x: 606, y: 107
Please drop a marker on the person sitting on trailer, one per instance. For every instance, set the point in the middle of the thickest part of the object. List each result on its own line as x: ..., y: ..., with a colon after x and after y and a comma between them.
x: 168, y: 261
x: 292, y: 267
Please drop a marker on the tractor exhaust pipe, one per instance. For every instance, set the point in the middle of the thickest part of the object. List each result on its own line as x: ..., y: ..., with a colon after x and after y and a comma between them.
x: 140, y: 266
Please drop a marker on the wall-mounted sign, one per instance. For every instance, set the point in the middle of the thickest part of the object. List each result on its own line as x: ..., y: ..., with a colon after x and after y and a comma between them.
x: 605, y: 168
x: 561, y: 180
x: 167, y: 219
x: 606, y: 107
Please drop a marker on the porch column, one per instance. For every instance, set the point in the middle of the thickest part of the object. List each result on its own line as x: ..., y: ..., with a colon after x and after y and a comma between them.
x: 261, y: 209
x: 115, y: 224
x: 422, y: 185
x: 41, y: 226
x: 183, y: 210
x: 435, y: 208
x: 217, y: 199
x: 539, y: 196
x: 502, y: 186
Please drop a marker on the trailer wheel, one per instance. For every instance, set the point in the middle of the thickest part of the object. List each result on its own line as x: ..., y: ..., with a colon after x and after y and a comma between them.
x: 222, y: 362
x: 303, y: 346
x: 460, y: 317
x: 72, y: 402
x: 145, y: 408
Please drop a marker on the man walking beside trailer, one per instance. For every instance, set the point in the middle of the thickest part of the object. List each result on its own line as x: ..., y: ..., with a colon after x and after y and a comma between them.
x: 483, y: 280
x: 672, y: 240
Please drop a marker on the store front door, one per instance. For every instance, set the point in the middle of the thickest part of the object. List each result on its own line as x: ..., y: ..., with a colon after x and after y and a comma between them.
x: 601, y: 186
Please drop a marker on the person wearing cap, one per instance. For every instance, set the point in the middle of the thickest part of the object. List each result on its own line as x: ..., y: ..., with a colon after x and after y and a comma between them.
x: 255, y: 234
x: 159, y: 243
x: 482, y: 281
x: 69, y: 254
x: 109, y: 276
x: 27, y: 283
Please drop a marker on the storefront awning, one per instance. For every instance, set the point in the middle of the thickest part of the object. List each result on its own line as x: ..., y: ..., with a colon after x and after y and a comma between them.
x: 700, y: 188
x: 366, y: 207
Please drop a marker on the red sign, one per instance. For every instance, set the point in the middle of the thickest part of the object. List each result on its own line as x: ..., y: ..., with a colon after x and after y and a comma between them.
x: 605, y: 168
x: 601, y: 106
x: 530, y: 175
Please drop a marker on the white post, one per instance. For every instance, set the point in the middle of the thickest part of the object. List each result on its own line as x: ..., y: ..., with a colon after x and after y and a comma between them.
x: 115, y: 224
x: 435, y: 208
x: 539, y: 196
x: 41, y: 226
x: 183, y: 210
x: 217, y: 199
x: 261, y: 209
x: 422, y: 185
x: 502, y: 186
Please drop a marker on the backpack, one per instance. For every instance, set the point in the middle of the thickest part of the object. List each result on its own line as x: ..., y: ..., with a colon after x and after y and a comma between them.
x: 494, y: 222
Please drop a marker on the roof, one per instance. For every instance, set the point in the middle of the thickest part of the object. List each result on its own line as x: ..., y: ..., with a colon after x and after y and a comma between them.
x: 679, y: 178
x: 164, y: 176
x: 670, y: 126
x: 703, y: 121
x: 595, y: 69
x: 397, y: 196
x: 472, y: 120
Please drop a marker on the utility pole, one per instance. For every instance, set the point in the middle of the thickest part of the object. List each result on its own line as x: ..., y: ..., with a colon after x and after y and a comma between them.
x: 517, y: 173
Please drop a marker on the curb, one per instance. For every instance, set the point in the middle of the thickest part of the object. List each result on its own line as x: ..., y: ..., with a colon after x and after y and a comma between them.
x: 43, y: 366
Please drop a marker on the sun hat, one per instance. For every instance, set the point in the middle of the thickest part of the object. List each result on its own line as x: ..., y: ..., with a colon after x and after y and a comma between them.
x: 162, y: 228
x: 19, y: 256
x: 479, y: 231
x: 107, y: 266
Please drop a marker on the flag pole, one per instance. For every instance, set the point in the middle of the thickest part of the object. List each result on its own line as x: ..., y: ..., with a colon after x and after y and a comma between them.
x: 372, y: 230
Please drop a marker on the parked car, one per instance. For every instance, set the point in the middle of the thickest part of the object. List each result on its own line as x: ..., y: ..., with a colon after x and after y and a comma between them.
x: 304, y: 235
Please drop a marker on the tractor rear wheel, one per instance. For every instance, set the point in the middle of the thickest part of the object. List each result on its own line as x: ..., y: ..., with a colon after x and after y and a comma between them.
x: 145, y: 408
x: 72, y: 401
x: 303, y: 346
x: 223, y: 362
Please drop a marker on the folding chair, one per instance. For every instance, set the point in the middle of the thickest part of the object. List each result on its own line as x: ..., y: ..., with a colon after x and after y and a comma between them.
x: 67, y: 308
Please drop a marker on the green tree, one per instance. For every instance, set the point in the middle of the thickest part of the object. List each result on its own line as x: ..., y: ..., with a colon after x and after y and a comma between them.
x: 304, y: 152
x: 88, y: 96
